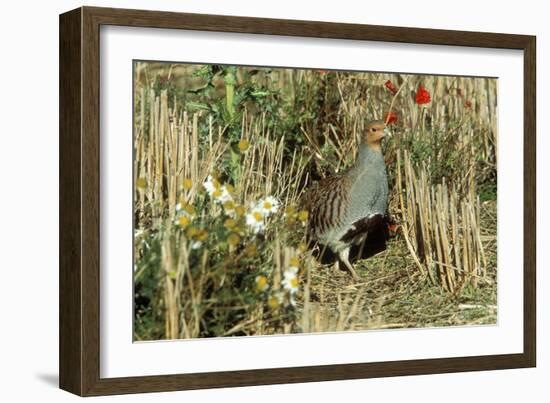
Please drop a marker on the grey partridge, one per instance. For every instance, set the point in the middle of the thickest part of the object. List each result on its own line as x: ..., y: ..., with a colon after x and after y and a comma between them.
x: 344, y: 208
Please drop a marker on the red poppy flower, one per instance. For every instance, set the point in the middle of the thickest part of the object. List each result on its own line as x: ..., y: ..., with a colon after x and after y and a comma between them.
x: 422, y: 96
x: 390, y: 118
x: 468, y: 104
x: 389, y: 85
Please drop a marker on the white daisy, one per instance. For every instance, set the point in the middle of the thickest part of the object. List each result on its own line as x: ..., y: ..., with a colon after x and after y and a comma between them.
x: 183, y: 220
x: 268, y: 206
x: 218, y: 192
x: 196, y: 245
x: 275, y: 300
x: 255, y: 220
x: 229, y: 208
x: 261, y: 283
x: 290, y: 281
x: 293, y: 270
x: 292, y: 299
x: 222, y: 196
x: 184, y: 214
x: 209, y: 185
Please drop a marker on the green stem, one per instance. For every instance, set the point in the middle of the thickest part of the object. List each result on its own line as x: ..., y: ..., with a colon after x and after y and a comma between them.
x: 230, y: 81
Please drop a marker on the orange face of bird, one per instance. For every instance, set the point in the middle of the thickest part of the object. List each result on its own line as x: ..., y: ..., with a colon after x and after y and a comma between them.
x: 374, y: 133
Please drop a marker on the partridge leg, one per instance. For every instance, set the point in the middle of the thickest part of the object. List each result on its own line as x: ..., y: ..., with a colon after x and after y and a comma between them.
x: 362, y: 243
x: 344, y: 257
x: 336, y: 266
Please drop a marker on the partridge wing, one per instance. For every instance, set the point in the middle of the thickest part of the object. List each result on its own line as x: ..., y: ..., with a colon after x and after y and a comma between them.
x: 327, y: 203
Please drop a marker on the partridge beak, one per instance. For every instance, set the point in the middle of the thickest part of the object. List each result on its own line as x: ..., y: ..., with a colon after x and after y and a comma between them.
x: 387, y: 132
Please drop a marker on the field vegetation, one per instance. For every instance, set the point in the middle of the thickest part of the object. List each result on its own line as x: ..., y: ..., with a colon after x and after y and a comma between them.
x: 222, y: 155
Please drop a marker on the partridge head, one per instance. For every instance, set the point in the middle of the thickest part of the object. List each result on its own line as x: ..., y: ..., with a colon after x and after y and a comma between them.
x: 374, y: 133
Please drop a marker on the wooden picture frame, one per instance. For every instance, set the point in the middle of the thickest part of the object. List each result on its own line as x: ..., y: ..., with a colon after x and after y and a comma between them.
x: 80, y: 185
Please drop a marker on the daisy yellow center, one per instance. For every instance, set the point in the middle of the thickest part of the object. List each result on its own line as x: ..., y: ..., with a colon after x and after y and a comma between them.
x: 243, y: 145
x: 229, y: 205
x: 202, y: 235
x: 192, y: 231
x: 233, y: 239
x: 273, y: 302
x: 303, y: 215
x: 261, y: 282
x: 217, y: 193
x: 294, y: 282
x: 229, y: 223
x: 267, y: 205
x: 294, y: 261
x: 183, y: 221
x: 240, y: 210
x: 257, y: 216
x: 187, y: 183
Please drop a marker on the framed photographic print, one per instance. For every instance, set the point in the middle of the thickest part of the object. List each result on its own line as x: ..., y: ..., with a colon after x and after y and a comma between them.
x: 249, y: 201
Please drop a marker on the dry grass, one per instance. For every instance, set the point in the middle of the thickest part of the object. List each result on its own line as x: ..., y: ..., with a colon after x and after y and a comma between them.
x: 442, y: 233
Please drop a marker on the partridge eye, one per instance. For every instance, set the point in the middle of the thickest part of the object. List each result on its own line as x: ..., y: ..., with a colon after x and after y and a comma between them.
x: 373, y: 130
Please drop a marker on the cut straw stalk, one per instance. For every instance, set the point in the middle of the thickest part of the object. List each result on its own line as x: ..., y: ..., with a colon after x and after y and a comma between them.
x: 445, y: 245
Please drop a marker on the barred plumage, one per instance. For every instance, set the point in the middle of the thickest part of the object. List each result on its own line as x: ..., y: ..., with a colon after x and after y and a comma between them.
x: 344, y: 208
x: 327, y: 208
